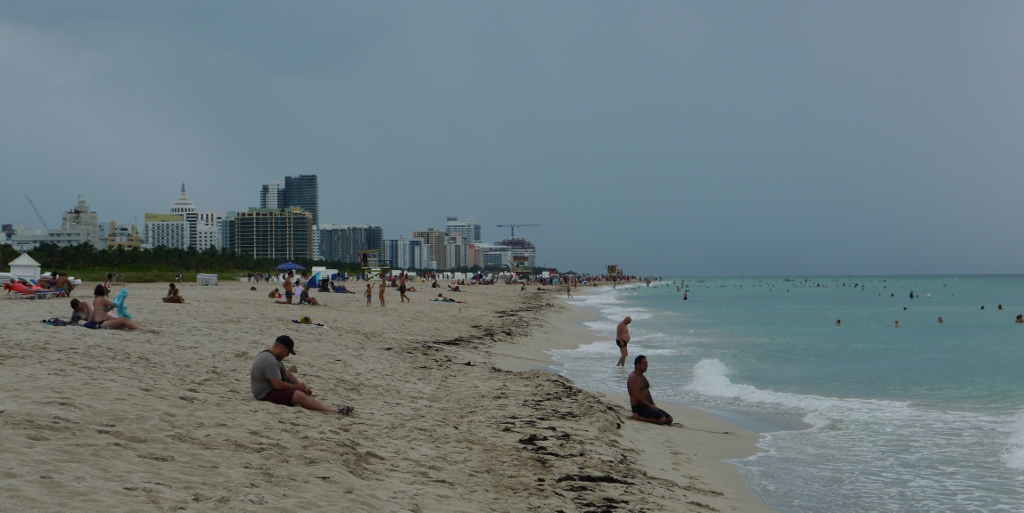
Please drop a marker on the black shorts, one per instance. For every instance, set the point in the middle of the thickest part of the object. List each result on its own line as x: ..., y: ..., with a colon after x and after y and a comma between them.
x: 621, y: 343
x: 649, y: 413
x: 401, y: 289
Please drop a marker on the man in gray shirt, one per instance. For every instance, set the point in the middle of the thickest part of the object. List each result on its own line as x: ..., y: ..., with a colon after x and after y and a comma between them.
x: 271, y: 381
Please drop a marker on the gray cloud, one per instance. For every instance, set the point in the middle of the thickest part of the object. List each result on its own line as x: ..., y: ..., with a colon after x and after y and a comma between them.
x: 671, y: 138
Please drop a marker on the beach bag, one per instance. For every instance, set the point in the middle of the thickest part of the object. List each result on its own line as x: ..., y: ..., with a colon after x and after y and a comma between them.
x: 93, y: 325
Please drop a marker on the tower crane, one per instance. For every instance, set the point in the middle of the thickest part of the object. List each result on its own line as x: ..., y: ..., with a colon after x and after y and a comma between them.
x: 513, y: 227
x: 37, y: 212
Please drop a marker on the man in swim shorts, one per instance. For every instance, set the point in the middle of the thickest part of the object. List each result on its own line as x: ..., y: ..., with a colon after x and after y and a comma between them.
x: 622, y: 339
x: 288, y: 289
x: 640, y: 400
x: 401, y: 288
x: 270, y: 381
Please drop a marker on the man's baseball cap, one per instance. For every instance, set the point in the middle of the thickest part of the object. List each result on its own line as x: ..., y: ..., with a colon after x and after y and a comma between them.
x: 286, y: 341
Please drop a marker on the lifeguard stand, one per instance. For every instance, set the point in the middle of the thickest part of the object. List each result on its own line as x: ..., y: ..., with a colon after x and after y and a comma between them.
x: 373, y: 266
x: 521, y: 266
x: 613, y: 273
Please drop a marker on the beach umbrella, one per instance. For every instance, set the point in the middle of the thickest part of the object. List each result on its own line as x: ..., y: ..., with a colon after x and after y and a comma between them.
x: 288, y: 266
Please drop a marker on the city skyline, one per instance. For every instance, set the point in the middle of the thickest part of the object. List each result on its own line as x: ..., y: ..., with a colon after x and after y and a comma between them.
x: 183, y: 225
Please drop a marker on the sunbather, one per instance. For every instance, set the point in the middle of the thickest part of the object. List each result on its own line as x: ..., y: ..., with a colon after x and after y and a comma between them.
x: 101, y: 307
x: 63, y: 283
x: 306, y: 299
x: 81, y: 311
x: 173, y: 296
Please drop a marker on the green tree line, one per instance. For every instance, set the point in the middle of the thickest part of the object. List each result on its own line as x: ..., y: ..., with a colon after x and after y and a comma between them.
x: 158, y: 264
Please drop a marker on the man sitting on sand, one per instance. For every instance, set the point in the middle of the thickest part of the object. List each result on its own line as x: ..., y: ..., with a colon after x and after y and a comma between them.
x: 270, y: 381
x: 640, y: 399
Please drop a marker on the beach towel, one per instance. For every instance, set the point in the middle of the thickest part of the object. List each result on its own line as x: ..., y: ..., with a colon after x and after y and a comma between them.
x: 122, y: 310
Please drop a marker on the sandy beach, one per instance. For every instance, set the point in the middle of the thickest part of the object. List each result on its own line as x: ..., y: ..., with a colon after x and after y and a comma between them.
x: 451, y: 413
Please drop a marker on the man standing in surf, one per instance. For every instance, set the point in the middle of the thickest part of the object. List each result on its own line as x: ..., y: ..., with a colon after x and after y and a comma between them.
x: 622, y: 339
x: 640, y: 400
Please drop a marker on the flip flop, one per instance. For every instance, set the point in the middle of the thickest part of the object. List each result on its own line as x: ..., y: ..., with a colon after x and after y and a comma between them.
x: 345, y: 410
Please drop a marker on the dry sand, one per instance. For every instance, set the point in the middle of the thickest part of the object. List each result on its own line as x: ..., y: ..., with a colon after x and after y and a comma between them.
x: 446, y: 418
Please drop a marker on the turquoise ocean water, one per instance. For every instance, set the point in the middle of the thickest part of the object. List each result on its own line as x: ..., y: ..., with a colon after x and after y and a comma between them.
x: 863, y: 416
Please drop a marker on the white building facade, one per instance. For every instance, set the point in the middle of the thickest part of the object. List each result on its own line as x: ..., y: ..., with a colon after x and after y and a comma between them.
x: 469, y: 230
x: 204, y: 228
x: 169, y: 230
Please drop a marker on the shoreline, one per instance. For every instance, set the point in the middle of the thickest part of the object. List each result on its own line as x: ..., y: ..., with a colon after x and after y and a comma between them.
x: 100, y: 420
x: 701, y: 441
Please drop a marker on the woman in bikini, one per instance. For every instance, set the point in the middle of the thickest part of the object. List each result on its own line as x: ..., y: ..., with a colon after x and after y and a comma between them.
x: 173, y: 296
x: 101, y: 307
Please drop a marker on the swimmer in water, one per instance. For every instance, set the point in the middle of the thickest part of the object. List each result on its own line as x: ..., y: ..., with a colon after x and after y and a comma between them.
x: 897, y: 324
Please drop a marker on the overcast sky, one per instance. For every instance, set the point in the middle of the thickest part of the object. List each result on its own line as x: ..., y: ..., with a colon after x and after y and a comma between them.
x: 672, y: 138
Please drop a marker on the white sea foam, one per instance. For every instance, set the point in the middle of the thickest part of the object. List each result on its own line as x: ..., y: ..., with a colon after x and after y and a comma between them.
x: 1013, y: 456
x: 710, y: 377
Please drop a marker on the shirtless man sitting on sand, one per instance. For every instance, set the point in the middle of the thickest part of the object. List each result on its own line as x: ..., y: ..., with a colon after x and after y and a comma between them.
x: 640, y: 399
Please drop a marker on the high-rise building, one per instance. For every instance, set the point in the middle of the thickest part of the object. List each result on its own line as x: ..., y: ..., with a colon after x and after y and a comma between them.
x: 455, y: 251
x: 343, y: 243
x: 436, y: 240
x: 469, y: 230
x: 405, y: 253
x: 227, y: 232
x: 169, y: 230
x: 272, y: 195
x: 274, y: 233
x: 203, y: 227
x: 303, y: 191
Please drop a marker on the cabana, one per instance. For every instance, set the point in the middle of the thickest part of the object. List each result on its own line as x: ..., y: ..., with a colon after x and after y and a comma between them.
x: 206, y: 279
x: 25, y: 267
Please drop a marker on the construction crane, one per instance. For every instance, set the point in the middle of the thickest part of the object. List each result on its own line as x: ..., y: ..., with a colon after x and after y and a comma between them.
x: 37, y: 212
x: 513, y: 227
